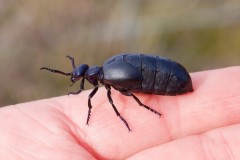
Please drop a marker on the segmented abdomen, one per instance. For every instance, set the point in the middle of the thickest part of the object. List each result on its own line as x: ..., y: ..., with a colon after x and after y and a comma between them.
x: 159, y: 75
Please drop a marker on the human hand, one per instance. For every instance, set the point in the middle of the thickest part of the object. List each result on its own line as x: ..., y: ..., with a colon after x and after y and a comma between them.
x: 204, y: 124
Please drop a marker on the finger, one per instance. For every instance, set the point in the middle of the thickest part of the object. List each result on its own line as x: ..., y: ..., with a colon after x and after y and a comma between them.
x: 214, y: 103
x: 222, y: 143
x: 37, y: 130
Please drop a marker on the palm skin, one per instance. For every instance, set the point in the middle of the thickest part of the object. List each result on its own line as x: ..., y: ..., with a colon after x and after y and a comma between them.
x: 203, y: 125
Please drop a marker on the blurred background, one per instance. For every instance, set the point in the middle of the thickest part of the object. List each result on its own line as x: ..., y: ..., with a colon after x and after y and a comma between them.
x: 200, y: 34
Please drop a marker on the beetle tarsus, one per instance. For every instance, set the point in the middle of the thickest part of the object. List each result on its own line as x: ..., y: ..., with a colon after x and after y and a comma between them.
x: 80, y: 90
x: 141, y: 104
x: 74, y: 93
x: 89, y: 112
x: 125, y: 122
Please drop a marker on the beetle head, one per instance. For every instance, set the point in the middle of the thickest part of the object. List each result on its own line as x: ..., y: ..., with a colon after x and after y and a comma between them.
x: 79, y: 72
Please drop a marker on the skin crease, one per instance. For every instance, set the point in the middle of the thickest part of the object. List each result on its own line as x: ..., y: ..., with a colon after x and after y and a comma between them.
x: 203, y: 125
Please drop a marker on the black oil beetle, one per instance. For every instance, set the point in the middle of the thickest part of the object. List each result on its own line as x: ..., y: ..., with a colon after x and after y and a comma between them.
x: 132, y: 73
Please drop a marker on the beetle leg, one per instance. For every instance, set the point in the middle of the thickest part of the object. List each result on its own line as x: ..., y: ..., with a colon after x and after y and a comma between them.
x: 72, y: 61
x: 114, y: 107
x: 81, y: 88
x: 89, y: 102
x: 140, y: 103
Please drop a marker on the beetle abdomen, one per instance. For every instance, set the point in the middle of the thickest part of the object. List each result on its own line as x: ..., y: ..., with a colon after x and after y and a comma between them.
x: 164, y: 76
x: 146, y: 74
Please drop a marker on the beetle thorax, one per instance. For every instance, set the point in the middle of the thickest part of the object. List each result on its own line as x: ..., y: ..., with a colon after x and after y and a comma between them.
x: 92, y: 74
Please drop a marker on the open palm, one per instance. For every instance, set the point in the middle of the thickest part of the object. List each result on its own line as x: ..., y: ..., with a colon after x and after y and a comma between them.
x: 201, y: 125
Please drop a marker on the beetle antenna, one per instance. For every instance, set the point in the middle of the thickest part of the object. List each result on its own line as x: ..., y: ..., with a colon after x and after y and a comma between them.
x: 72, y: 61
x: 56, y: 71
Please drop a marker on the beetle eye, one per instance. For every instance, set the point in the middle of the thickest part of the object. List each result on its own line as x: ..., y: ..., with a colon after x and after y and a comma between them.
x: 73, y: 79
